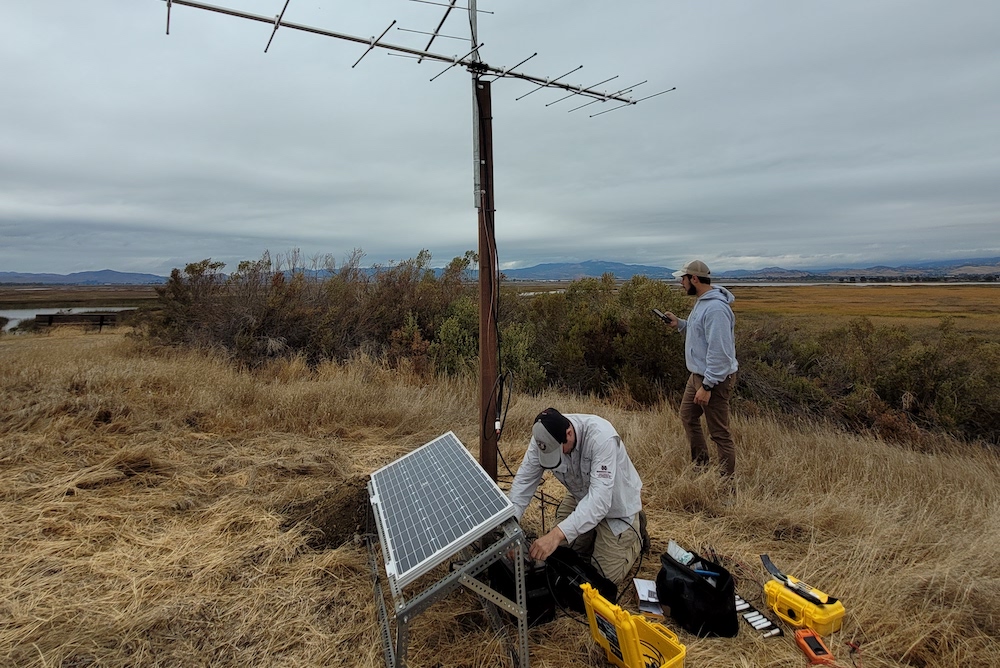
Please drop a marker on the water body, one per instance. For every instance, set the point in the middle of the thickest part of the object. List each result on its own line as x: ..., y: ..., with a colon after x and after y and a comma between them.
x: 18, y: 314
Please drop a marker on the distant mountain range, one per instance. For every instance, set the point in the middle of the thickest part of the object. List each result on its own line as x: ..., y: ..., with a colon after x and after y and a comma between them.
x: 103, y: 277
x: 562, y: 271
x: 982, y: 268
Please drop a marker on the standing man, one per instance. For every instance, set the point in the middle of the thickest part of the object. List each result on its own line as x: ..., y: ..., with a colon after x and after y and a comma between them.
x: 599, y: 516
x: 710, y: 353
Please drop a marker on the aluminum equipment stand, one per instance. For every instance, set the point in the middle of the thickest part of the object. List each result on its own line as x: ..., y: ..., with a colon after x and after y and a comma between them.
x: 464, y: 574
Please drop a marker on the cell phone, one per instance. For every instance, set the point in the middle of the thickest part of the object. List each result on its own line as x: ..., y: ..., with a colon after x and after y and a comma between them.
x: 662, y: 316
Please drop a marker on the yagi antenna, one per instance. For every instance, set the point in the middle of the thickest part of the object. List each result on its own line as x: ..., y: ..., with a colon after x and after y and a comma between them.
x: 470, y: 61
x: 483, y: 167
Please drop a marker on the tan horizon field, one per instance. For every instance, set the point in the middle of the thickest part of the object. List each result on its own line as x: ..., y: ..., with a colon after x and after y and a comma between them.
x: 160, y: 508
x: 918, y: 308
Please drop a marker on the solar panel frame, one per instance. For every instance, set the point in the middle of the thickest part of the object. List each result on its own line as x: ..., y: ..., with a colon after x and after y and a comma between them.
x: 431, y: 503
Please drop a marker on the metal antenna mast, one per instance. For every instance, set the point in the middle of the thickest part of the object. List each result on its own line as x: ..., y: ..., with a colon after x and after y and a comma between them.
x: 482, y: 121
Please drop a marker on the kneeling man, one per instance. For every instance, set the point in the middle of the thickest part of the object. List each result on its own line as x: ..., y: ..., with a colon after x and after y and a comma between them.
x: 599, y: 516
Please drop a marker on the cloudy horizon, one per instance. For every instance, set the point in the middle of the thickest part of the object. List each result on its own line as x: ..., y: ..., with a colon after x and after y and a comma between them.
x: 847, y: 134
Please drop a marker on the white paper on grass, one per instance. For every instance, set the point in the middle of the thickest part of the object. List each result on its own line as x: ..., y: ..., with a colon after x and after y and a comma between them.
x: 649, y: 602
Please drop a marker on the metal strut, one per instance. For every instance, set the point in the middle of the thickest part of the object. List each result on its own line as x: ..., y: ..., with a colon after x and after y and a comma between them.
x: 277, y: 22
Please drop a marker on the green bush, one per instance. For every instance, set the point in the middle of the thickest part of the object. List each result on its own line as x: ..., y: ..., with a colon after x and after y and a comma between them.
x: 455, y: 348
x: 876, y: 377
x: 517, y: 342
x: 271, y: 309
x: 596, y: 337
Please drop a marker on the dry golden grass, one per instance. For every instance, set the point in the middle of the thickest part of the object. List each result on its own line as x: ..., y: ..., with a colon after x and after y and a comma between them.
x: 974, y: 309
x: 161, y: 509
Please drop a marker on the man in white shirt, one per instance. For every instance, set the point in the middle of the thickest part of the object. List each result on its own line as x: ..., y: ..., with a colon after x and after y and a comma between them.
x: 599, y: 516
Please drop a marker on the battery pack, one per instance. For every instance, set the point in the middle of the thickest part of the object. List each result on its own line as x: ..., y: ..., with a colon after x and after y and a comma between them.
x: 538, y: 595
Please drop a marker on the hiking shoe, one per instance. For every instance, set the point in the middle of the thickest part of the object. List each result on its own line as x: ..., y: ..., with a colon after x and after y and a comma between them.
x: 643, y: 534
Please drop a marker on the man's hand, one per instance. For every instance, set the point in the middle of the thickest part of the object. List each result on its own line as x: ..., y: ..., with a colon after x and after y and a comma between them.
x: 702, y: 396
x: 547, y: 544
x: 673, y: 320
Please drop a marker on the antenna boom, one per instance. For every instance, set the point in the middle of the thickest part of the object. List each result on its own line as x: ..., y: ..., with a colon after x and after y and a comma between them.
x: 466, y: 61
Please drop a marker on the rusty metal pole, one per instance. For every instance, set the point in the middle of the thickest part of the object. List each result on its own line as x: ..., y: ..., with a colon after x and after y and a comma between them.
x: 487, y: 281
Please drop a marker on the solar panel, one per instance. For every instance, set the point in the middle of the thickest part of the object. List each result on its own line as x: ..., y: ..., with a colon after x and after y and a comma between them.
x: 431, y: 503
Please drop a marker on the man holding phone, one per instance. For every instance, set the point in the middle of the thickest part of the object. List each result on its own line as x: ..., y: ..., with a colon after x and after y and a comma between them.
x: 710, y: 354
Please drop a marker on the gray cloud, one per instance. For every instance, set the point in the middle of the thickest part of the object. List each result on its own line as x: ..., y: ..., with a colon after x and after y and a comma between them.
x: 800, y: 134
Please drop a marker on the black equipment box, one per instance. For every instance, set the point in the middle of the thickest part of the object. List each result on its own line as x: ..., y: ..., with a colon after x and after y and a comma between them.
x: 538, y: 595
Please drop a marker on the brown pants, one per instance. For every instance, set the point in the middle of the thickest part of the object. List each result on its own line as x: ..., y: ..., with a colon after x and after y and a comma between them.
x: 614, y: 555
x: 716, y: 416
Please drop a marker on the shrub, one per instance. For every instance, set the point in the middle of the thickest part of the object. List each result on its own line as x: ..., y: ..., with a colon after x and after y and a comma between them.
x: 875, y: 377
x: 516, y: 356
x: 187, y: 304
x: 456, y: 345
x: 268, y: 309
x: 596, y: 337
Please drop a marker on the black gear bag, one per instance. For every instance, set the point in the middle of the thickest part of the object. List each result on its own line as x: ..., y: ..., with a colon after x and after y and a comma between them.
x: 701, y: 596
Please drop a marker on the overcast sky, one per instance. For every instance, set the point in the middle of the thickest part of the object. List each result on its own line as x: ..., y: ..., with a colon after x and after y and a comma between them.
x: 802, y: 133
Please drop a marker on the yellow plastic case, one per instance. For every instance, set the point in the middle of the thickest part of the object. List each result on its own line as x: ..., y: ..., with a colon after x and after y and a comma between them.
x: 630, y: 641
x: 798, y: 612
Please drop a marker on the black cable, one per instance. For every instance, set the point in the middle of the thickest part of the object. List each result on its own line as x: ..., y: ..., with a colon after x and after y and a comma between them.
x: 555, y: 599
x: 504, y: 404
x: 656, y: 656
x: 638, y: 565
x: 742, y: 575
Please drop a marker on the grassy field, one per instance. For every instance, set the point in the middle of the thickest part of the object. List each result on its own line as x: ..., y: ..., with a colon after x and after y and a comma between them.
x: 974, y: 309
x: 919, y: 307
x: 161, y: 509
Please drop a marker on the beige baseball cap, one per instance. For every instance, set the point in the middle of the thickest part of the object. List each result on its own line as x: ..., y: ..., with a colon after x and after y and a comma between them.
x: 549, y: 449
x: 694, y: 268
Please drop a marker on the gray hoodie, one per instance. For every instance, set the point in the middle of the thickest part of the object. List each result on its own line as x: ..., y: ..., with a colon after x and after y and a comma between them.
x: 710, y: 339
